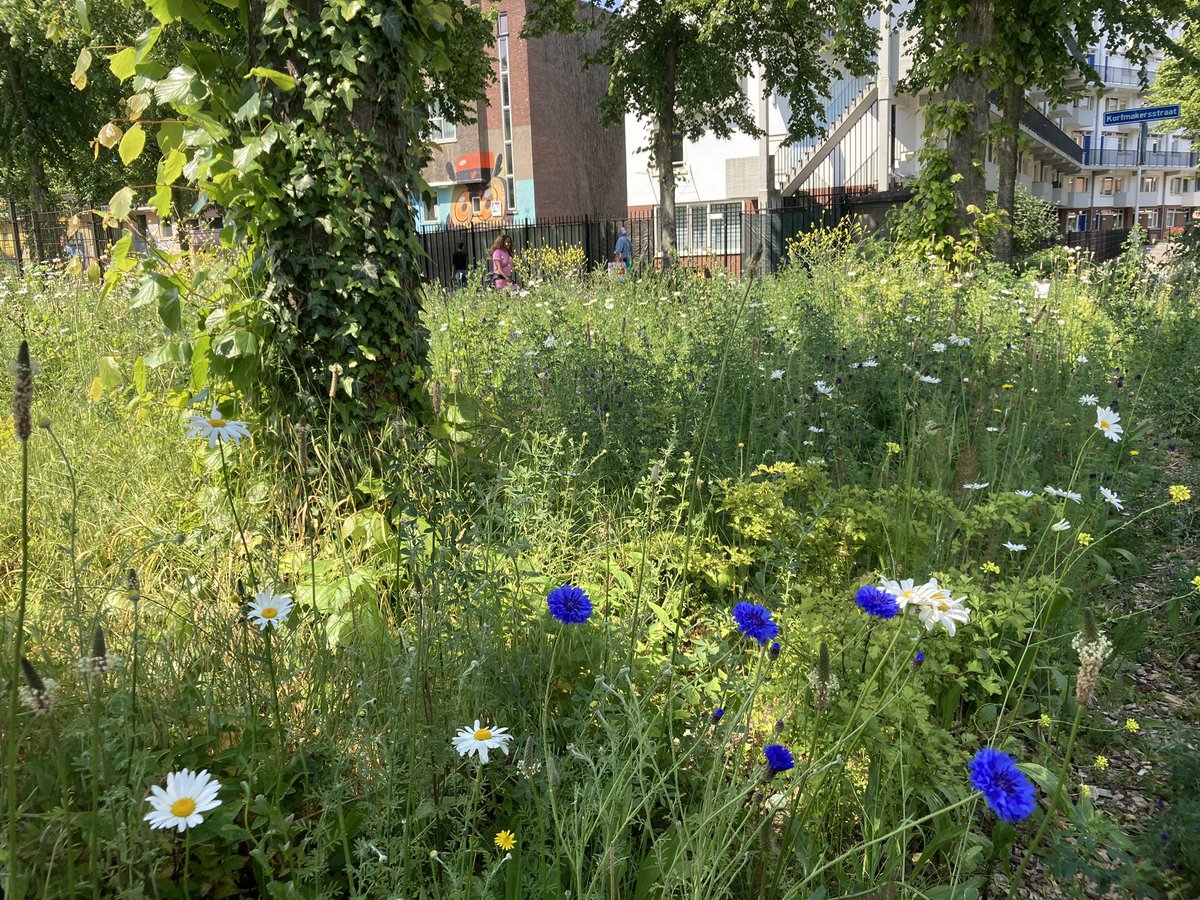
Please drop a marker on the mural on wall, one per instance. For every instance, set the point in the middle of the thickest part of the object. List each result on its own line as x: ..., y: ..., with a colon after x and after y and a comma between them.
x: 471, y: 207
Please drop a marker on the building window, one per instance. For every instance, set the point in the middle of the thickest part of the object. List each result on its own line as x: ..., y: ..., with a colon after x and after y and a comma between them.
x: 1149, y: 182
x: 1176, y: 185
x: 1079, y: 185
x: 676, y: 148
x: 166, y: 229
x: 506, y: 109
x: 1107, y: 183
x: 708, y: 228
x: 1151, y: 218
x: 429, y: 209
x: 441, y: 129
x: 1111, y: 104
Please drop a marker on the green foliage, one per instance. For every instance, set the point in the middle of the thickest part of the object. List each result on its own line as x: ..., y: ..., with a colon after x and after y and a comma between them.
x: 612, y: 457
x: 307, y: 131
x: 1034, y: 222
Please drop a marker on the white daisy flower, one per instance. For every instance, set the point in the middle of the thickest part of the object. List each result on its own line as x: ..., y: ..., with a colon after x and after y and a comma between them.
x: 907, y: 591
x: 958, y: 341
x: 215, y: 428
x: 550, y: 342
x: 1089, y: 400
x: 815, y: 430
x: 188, y: 794
x: 1073, y: 496
x: 929, y: 379
x: 870, y: 363
x: 1015, y: 548
x: 1081, y: 359
x: 823, y: 388
x: 269, y: 608
x: 939, y: 347
x: 944, y: 611
x: 1025, y: 494
x: 480, y: 740
x: 777, y: 374
x: 1106, y: 422
x: 1061, y: 525
x: 1110, y: 497
x: 976, y: 486
x: 992, y: 429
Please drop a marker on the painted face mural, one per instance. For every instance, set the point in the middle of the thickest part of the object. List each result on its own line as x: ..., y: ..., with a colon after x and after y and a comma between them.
x: 492, y: 201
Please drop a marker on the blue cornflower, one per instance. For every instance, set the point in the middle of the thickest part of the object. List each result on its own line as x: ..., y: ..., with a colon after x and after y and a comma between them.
x: 717, y: 714
x: 918, y: 660
x: 877, y: 602
x: 569, y: 604
x: 1007, y: 791
x: 775, y: 650
x: 754, y: 621
x: 779, y: 759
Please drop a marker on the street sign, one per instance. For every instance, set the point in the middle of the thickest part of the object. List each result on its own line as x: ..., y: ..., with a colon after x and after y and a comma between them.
x: 1145, y: 114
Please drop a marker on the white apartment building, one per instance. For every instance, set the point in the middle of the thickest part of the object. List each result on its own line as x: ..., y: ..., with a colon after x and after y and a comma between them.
x: 870, y: 142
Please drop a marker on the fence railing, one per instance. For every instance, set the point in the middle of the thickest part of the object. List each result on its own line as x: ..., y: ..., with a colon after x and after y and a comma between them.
x: 1102, y: 245
x: 788, y: 157
x: 728, y: 248
x: 1154, y: 159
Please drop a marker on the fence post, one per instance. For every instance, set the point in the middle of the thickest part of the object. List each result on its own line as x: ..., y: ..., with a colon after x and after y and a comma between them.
x: 16, y: 230
x: 35, y: 226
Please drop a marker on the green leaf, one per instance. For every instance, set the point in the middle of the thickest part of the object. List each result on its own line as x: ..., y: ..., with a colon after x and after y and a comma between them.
x: 279, y: 79
x: 146, y: 41
x: 232, y: 344
x: 171, y: 167
x: 139, y: 375
x: 170, y: 136
x: 123, y: 62
x: 120, y: 204
x: 132, y: 144
x: 81, y: 10
x: 181, y: 86
x: 200, y: 361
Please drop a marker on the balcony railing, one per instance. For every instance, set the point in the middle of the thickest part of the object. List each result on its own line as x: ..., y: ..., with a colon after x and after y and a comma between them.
x: 1154, y: 159
x: 1043, y: 128
x: 1123, y: 76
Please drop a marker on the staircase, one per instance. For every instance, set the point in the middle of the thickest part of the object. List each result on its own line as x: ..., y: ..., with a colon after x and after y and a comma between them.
x: 794, y: 163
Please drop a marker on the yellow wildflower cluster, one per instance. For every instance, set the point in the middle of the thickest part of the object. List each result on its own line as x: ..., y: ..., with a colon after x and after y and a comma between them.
x: 1132, y: 726
x: 1084, y: 538
x: 1180, y: 493
x: 990, y: 567
x: 1100, y: 762
x: 893, y: 447
x: 1044, y: 720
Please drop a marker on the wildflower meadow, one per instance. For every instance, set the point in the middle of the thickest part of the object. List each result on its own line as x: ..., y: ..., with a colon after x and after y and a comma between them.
x: 839, y: 582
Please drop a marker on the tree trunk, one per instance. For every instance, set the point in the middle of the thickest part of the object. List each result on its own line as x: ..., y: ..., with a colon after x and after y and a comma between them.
x: 36, y: 170
x: 969, y: 90
x: 663, y: 142
x: 1012, y: 99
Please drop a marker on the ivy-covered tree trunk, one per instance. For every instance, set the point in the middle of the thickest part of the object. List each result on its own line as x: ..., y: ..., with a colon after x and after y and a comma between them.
x: 343, y: 255
x: 1012, y: 98
x: 968, y: 121
x: 664, y: 141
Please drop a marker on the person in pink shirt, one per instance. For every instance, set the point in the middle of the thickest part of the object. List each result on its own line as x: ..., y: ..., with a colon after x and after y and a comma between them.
x: 502, y: 263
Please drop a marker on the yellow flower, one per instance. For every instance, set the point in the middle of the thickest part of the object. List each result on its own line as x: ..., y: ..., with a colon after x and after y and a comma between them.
x: 1006, y: 386
x: 1180, y: 493
x: 1132, y: 726
x: 1133, y: 453
x: 741, y: 445
x: 506, y: 840
x: 1196, y: 582
x: 1085, y: 791
x: 1084, y: 538
x: 997, y: 409
x: 990, y: 567
x: 1066, y: 424
x: 1044, y: 720
x: 1100, y: 762
x: 893, y: 447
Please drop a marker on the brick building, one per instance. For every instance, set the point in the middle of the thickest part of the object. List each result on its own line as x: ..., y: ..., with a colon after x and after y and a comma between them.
x: 536, y: 149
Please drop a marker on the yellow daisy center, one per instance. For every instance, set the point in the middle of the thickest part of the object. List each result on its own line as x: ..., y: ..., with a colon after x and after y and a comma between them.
x: 183, y: 807
x: 1104, y: 424
x: 942, y: 607
x: 483, y: 734
x: 217, y: 423
x: 269, y: 612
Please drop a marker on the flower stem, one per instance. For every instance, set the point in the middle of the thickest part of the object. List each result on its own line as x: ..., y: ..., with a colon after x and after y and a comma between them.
x: 1055, y: 798
x: 10, y: 754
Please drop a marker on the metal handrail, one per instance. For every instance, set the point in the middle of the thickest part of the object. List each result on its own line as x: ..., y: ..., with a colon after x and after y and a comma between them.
x: 1043, y: 128
x: 788, y: 157
x: 1160, y: 159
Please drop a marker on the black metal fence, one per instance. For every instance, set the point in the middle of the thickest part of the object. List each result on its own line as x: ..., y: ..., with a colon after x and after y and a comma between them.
x: 729, y: 248
x: 28, y: 236
x: 1102, y: 245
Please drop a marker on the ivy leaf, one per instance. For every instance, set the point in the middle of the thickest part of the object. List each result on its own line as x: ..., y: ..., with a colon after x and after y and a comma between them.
x: 181, y: 86
x: 132, y: 144
x: 249, y: 109
x: 123, y: 62
x: 120, y: 204
x: 280, y: 79
x: 82, y: 64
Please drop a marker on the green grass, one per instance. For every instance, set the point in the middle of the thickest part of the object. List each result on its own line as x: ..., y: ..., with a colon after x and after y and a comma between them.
x: 631, y: 439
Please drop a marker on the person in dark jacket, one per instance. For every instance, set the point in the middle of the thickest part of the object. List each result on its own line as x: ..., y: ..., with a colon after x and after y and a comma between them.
x: 460, y: 262
x: 624, y: 248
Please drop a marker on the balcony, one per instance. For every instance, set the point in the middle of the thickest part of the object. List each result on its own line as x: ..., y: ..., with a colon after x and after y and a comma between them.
x: 1041, y: 127
x: 1154, y: 159
x: 1123, y: 76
